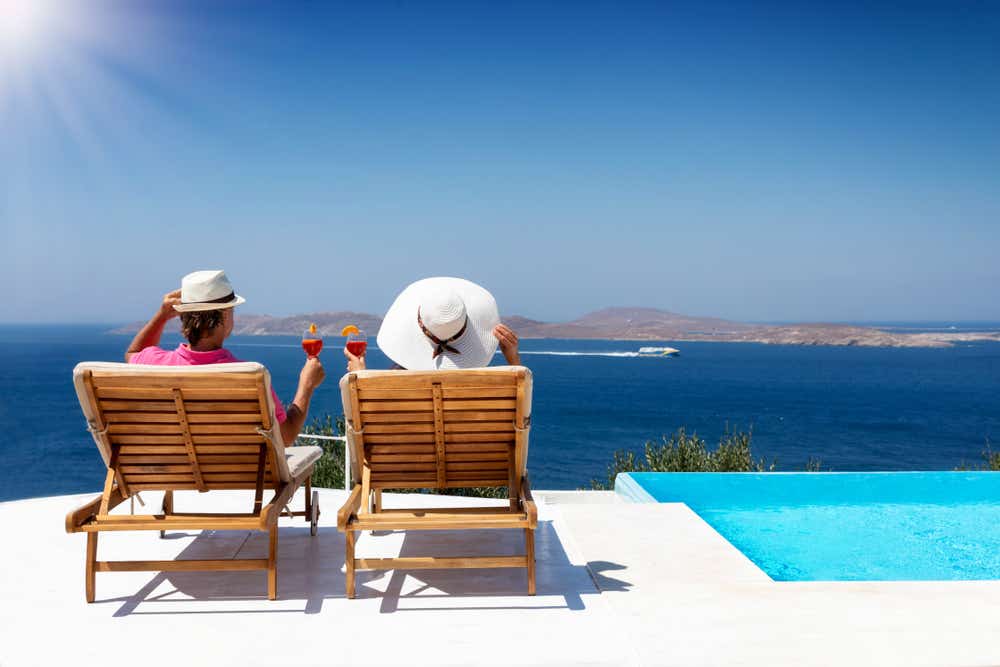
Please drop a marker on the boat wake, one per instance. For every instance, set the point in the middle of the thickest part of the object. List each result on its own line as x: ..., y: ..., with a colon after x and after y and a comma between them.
x: 580, y: 354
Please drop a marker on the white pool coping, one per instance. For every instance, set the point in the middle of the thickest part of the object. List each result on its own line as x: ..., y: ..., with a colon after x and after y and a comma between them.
x: 618, y: 584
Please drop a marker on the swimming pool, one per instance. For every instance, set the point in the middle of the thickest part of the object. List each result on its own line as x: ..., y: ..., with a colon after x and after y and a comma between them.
x: 844, y: 526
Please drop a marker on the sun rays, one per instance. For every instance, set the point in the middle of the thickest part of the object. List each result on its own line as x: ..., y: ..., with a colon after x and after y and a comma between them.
x: 68, y: 72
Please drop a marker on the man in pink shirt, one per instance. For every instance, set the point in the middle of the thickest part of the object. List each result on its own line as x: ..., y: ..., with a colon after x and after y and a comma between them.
x: 205, y: 305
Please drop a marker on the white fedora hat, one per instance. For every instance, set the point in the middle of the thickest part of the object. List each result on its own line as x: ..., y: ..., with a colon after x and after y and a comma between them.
x: 207, y: 290
x: 439, y: 323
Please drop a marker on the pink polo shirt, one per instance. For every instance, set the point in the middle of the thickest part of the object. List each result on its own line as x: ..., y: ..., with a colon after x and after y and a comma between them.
x: 185, y: 356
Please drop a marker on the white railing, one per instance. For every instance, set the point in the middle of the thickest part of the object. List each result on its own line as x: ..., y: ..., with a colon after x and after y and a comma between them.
x: 347, y: 455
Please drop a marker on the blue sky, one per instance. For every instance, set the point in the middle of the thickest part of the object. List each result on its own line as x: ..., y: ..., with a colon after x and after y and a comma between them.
x: 764, y: 161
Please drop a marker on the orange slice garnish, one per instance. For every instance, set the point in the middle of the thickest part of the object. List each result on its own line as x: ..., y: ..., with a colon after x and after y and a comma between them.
x: 312, y: 328
x: 349, y: 329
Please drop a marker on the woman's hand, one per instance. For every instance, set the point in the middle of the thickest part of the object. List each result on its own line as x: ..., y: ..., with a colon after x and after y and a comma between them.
x: 508, y: 344
x: 354, y: 363
x: 170, y: 299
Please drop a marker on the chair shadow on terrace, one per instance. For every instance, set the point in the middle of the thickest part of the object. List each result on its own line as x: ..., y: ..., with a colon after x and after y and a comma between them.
x: 311, y: 570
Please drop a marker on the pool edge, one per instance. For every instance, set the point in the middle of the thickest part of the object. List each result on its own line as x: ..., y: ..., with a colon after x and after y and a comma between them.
x: 630, y: 490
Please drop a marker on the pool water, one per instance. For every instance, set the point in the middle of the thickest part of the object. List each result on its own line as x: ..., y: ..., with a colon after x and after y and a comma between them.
x: 845, y: 526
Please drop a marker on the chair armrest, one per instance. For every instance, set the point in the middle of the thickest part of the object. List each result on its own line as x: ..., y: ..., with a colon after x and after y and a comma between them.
x: 85, y: 512
x: 349, y: 508
x: 269, y: 515
x: 527, y: 502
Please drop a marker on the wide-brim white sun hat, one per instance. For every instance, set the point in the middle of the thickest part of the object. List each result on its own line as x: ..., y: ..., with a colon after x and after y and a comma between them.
x: 207, y: 290
x: 440, y: 307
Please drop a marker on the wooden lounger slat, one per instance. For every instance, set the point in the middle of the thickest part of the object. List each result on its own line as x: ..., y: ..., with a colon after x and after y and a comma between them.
x: 477, y: 456
x: 126, y: 417
x: 427, y: 478
x: 175, y: 429
x: 377, y: 459
x: 413, y: 418
x: 401, y: 449
x: 472, y: 405
x: 448, y: 393
x: 164, y: 393
x: 410, y: 380
x: 499, y: 416
x: 137, y: 469
x: 184, y: 486
x: 406, y: 483
x: 459, y: 466
x: 140, y: 459
x: 201, y: 449
x: 379, y: 468
x: 168, y: 406
x: 484, y: 437
x: 466, y: 477
x: 469, y: 447
x: 480, y: 427
x: 381, y: 429
x: 240, y: 448
x: 235, y: 439
x: 402, y: 439
x: 396, y: 406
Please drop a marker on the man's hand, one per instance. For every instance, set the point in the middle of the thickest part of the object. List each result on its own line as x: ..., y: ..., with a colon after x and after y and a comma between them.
x: 152, y: 331
x: 354, y: 363
x: 170, y: 299
x: 312, y: 374
x: 508, y: 344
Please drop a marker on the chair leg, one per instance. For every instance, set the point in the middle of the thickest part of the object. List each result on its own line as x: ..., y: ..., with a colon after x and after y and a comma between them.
x: 91, y: 565
x: 272, y: 564
x: 168, y: 507
x: 309, y: 485
x: 529, y: 555
x: 349, y: 561
x: 377, y: 501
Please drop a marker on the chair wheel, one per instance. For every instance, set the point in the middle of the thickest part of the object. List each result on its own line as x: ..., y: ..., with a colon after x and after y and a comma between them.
x: 314, y: 518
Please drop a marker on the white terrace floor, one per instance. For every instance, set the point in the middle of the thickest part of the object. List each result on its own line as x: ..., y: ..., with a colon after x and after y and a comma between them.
x: 618, y: 584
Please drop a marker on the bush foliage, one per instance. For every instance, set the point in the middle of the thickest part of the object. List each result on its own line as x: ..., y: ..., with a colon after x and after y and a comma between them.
x: 679, y: 452
x: 329, y: 471
x: 991, y: 461
x: 682, y: 452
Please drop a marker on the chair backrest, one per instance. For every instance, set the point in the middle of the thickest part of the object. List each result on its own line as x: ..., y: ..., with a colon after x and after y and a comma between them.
x: 183, y: 427
x: 438, y: 429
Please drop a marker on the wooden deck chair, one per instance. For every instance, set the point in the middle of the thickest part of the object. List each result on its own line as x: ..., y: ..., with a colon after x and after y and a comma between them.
x: 171, y: 428
x: 440, y: 430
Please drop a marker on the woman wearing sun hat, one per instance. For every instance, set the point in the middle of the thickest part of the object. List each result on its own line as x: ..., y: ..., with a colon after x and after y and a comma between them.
x: 441, y: 323
x: 205, y: 305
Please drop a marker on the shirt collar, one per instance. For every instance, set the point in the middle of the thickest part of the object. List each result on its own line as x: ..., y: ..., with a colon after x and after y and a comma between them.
x: 207, y: 357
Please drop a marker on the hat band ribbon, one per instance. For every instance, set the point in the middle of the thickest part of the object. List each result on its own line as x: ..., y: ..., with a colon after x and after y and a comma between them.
x: 222, y: 299
x: 441, y: 346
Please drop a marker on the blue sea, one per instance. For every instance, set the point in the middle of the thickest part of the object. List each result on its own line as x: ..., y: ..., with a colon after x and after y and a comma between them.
x: 856, y: 409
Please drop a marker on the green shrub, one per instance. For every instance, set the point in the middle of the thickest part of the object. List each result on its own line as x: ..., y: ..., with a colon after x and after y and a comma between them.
x: 329, y: 471
x: 688, y: 453
x: 991, y: 460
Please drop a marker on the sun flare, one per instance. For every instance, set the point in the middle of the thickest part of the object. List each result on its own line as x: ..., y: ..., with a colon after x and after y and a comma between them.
x: 22, y: 23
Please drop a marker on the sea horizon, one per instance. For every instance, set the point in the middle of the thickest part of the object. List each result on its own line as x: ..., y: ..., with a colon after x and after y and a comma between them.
x: 854, y: 409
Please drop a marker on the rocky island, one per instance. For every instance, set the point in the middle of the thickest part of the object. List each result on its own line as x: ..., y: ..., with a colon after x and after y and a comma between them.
x: 641, y: 324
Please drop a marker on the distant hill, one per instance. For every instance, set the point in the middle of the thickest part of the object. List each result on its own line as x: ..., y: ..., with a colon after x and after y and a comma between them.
x: 247, y: 324
x: 621, y: 324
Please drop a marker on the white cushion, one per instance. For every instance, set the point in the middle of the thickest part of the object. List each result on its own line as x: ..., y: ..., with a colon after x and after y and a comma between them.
x: 300, y: 460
